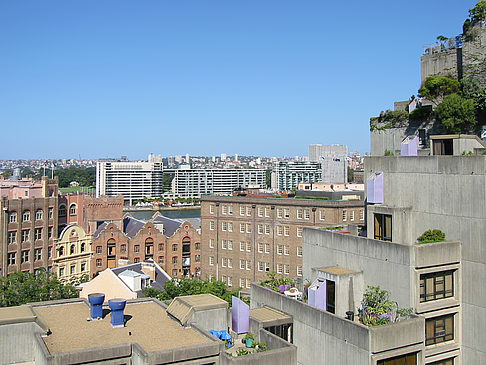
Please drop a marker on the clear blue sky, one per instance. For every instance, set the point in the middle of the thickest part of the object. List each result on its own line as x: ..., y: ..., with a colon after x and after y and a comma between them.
x: 255, y: 77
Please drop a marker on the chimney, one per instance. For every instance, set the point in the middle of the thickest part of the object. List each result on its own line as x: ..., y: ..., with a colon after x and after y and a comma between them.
x: 148, y: 268
x: 117, y: 317
x: 96, y: 305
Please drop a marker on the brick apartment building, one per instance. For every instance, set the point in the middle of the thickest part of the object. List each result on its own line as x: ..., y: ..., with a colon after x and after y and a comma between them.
x: 245, y: 237
x: 28, y: 216
x: 174, y: 245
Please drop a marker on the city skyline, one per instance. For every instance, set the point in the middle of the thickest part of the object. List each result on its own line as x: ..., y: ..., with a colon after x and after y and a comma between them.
x: 253, y: 78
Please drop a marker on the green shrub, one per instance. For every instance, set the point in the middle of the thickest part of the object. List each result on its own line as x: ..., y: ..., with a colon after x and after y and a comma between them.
x: 388, y: 153
x: 431, y: 235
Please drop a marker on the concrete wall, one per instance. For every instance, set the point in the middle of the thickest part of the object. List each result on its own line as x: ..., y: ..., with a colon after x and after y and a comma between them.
x: 447, y: 193
x: 16, y: 342
x: 442, y: 63
x: 320, y: 337
x: 211, y: 319
x: 383, y: 264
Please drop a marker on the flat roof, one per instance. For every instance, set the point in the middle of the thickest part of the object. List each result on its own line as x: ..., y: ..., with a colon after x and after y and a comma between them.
x: 267, y: 314
x: 336, y: 270
x: 147, y: 324
x: 283, y: 201
x: 181, y: 308
x: 22, y: 313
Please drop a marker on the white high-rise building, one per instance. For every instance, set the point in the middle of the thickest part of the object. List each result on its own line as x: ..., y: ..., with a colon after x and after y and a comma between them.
x: 333, y: 159
x: 287, y: 175
x: 223, y: 157
x: 132, y: 179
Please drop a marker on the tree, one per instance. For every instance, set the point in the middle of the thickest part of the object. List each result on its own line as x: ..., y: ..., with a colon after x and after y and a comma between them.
x: 457, y: 114
x: 478, y: 13
x: 350, y: 174
x: 435, y: 88
x: 24, y: 287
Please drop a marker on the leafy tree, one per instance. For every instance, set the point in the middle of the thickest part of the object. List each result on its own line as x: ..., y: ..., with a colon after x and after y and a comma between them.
x: 432, y: 235
x: 24, y: 287
x: 478, y: 13
x: 435, y: 88
x: 457, y: 114
x: 85, y: 176
x: 350, y: 174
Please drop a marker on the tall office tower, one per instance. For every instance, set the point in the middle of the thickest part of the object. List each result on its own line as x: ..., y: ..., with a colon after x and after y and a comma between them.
x: 287, y: 175
x: 193, y: 183
x: 188, y: 159
x: 236, y: 157
x: 28, y: 216
x: 132, y: 179
x: 333, y: 159
x: 223, y: 157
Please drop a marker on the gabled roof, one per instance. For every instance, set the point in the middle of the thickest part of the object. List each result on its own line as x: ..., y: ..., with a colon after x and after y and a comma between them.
x: 160, y: 275
x: 132, y: 226
x: 100, y: 229
x: 170, y: 225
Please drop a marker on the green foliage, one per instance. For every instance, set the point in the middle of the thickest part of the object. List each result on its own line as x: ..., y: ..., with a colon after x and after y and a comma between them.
x: 350, y: 174
x: 435, y: 88
x: 472, y: 88
x: 268, y: 178
x: 85, y: 176
x: 389, y: 153
x: 167, y: 182
x: 421, y: 114
x: 432, y: 235
x: 457, y: 114
x: 467, y: 153
x: 243, y: 352
x: 186, y: 286
x: 24, y: 287
x: 274, y: 282
x: 248, y: 336
x: 478, y: 13
x: 388, y: 119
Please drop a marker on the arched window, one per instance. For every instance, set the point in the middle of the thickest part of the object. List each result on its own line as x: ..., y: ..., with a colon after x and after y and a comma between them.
x: 72, y: 249
x: 61, y: 250
x: 62, y: 210
x: 26, y: 215
x: 83, y: 247
x: 39, y: 214
x: 72, y: 209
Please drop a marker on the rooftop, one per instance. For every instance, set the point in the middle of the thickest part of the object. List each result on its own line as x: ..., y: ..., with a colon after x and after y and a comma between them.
x: 283, y: 201
x: 147, y: 324
x: 267, y: 315
x: 181, y: 308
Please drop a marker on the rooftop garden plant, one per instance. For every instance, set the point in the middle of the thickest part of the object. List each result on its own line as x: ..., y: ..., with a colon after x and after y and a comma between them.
x: 377, y: 309
x: 431, y: 235
x: 277, y: 284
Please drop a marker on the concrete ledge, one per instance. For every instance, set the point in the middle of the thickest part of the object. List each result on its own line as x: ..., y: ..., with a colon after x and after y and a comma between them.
x: 398, y: 334
x: 437, y: 253
x: 92, y: 355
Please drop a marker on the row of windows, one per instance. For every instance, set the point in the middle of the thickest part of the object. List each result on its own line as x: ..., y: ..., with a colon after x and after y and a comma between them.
x: 62, y: 210
x: 39, y: 215
x: 25, y: 256
x: 262, y: 229
x: 72, y: 249
x: 262, y: 247
x: 136, y: 248
x: 161, y: 260
x: 72, y: 269
x: 26, y: 235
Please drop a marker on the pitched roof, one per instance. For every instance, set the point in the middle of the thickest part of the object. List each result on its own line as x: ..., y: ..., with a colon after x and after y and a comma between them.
x: 100, y: 229
x: 132, y: 226
x: 170, y: 225
x: 160, y: 275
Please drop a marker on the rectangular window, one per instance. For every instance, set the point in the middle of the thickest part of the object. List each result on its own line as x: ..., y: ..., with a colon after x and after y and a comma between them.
x: 224, y: 245
x: 300, y: 214
x: 267, y: 266
x: 287, y: 213
x: 12, y: 217
x: 299, y: 251
x: 211, y: 260
x: 211, y: 243
x: 267, y: 212
x: 49, y: 232
x: 299, y: 231
x: 197, y: 258
x: 267, y: 228
x: 224, y: 226
x: 248, y: 247
x: 174, y: 273
x: 351, y: 216
x: 197, y: 246
x: 248, y: 228
x: 242, y: 265
x: 38, y: 234
x: 73, y: 269
x: 260, y: 211
x: 230, y: 245
x: 124, y: 247
x: 242, y: 282
x: 260, y: 229
x: 361, y: 215
x: 383, y: 227
x: 408, y: 359
x: 51, y: 213
x: 175, y: 259
x: 439, y: 329
x: 248, y: 264
x: 12, y: 236
x: 83, y: 267
x: 286, y: 269
x: 224, y: 209
x: 161, y: 260
x: 12, y: 258
x: 286, y: 250
x: 279, y: 249
x: 242, y: 246
x: 224, y: 260
x: 260, y: 266
x: 279, y: 268
x: 437, y: 285
x: 230, y: 281
x: 279, y: 230
x: 49, y: 252
x: 267, y: 248
x: 230, y: 226
x: 306, y: 214
x: 25, y: 235
x: 230, y: 263
x: 211, y: 225
x: 345, y: 215
x: 242, y: 210
x: 260, y: 247
x: 24, y: 257
x: 99, y: 262
x: 242, y: 227
x: 248, y: 283
x: 322, y: 215
x: 38, y: 254
x: 279, y: 213
x: 248, y: 211
x: 99, y: 249
x: 286, y: 231
x: 211, y: 208
x: 299, y: 270
x: 230, y: 210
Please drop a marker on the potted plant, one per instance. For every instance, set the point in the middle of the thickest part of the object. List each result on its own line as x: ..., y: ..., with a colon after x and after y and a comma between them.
x: 248, y: 339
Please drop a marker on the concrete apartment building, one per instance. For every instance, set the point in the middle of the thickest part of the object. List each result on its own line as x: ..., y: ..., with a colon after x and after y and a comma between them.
x: 174, y: 245
x: 28, y: 216
x: 287, y: 175
x: 333, y: 159
x: 245, y: 237
x: 194, y: 183
x: 132, y: 179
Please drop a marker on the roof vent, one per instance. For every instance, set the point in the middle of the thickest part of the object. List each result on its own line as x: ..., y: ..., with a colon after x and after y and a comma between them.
x: 96, y: 301
x: 117, y: 316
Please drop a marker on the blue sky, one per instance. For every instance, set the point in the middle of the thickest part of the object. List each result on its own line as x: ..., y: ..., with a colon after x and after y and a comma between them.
x: 256, y: 77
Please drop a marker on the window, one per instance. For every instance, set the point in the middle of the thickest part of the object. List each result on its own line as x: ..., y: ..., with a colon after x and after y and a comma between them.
x: 83, y: 267
x: 449, y: 361
x: 12, y: 217
x: 230, y: 245
x: 38, y: 254
x: 279, y: 213
x: 224, y: 226
x: 26, y: 215
x: 260, y: 266
x: 242, y: 227
x: 306, y: 214
x: 211, y: 225
x: 300, y: 214
x: 61, y: 271
x: 351, y: 216
x: 174, y: 259
x: 174, y: 247
x: 248, y: 264
x: 99, y: 249
x: 49, y: 252
x: 230, y: 263
x: 299, y: 231
x: 223, y: 245
x: 267, y: 248
x: 24, y: 257
x: 230, y: 226
x: 267, y: 266
x: 51, y: 213
x: 211, y: 243
x: 174, y: 273
x: 60, y: 250
x: 197, y: 246
x: 279, y: 249
x: 248, y: 283
x: 267, y: 212
x: 279, y: 268
x: 211, y: 260
x: 299, y: 270
x: 230, y: 281
x: 299, y: 251
x: 248, y: 228
x: 287, y: 213
x: 361, y: 214
x: 383, y: 227
x: 286, y: 250
x: 267, y: 228
x: 248, y: 247
x: 12, y: 257
x: 197, y: 258
x: 242, y: 210
x: 161, y: 260
x: 99, y: 262
x: 224, y: 209
x: 260, y: 247
x: 12, y: 237
x: 260, y: 211
x: 286, y: 231
x: 73, y: 269
x: 224, y: 261
x: 136, y: 248
x: 25, y: 235
x: 83, y: 247
x: 72, y: 249
x: 260, y: 229
x: 437, y: 285
x: 345, y: 215
x: 242, y: 282
x: 39, y: 214
x: 242, y: 246
x: 242, y: 265
x: 408, y: 359
x: 279, y: 230
x: 161, y: 247
x: 49, y: 232
x: 286, y: 269
x: 322, y: 215
x: 62, y: 210
x: 211, y: 208
x: 72, y: 209
x: 439, y: 329
x: 248, y: 211
x: 230, y: 210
